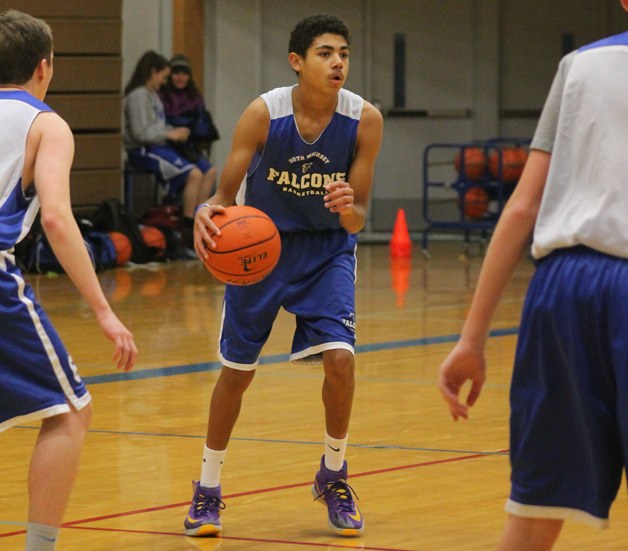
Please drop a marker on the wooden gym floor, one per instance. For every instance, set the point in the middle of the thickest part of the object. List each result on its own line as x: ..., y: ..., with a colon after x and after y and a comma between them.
x: 424, y: 482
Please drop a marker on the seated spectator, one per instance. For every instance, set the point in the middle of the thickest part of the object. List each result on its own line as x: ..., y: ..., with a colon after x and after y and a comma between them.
x: 184, y: 106
x: 149, y: 141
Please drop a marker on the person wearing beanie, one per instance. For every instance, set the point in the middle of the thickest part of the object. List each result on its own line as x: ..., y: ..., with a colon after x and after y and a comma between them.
x: 159, y: 147
x: 184, y: 106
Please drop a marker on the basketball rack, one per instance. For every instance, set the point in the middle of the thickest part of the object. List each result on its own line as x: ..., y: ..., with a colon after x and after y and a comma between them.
x: 446, y: 183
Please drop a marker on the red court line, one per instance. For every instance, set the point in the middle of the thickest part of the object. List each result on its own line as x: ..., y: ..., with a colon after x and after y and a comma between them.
x: 74, y: 523
x: 258, y: 540
x: 277, y: 488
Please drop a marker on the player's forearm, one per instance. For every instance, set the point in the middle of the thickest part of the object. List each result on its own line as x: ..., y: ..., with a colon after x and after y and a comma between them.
x: 507, y: 247
x: 225, y: 196
x: 510, y: 240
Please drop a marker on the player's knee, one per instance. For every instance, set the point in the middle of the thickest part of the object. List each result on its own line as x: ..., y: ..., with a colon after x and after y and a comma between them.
x: 74, y: 424
x: 82, y: 419
x: 236, y: 380
x: 339, y: 363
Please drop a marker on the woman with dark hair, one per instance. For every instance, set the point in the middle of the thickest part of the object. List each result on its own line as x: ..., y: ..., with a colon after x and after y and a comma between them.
x: 150, y: 141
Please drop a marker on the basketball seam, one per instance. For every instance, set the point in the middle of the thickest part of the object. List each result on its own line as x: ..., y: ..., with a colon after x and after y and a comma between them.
x: 212, y: 251
x: 266, y: 218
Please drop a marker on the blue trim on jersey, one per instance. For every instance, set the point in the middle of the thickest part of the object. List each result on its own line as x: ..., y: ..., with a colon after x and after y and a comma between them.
x: 25, y: 97
x: 12, y: 214
x: 616, y: 40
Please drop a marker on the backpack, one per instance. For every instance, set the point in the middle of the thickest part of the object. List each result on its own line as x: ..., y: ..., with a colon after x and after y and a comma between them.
x: 104, y: 251
x: 168, y: 216
x: 167, y: 219
x: 200, y: 122
x: 41, y: 259
x: 111, y: 215
x: 205, y: 129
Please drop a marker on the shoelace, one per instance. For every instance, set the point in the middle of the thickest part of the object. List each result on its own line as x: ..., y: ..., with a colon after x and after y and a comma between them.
x: 340, y: 492
x: 207, y: 504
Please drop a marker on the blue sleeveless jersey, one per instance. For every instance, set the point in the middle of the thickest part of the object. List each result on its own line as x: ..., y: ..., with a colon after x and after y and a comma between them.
x: 18, y: 110
x: 286, y: 180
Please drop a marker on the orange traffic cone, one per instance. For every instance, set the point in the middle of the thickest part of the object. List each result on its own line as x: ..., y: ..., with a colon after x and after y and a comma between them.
x: 400, y: 243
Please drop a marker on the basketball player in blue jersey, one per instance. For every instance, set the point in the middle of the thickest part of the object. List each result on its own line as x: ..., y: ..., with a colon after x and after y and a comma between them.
x: 38, y: 379
x: 569, y: 420
x: 308, y: 153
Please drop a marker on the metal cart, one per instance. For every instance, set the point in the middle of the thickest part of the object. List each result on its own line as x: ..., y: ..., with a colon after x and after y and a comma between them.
x: 453, y: 172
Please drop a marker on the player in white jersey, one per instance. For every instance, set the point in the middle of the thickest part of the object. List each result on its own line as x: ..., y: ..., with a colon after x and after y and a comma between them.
x: 38, y: 379
x: 308, y: 153
x: 569, y: 421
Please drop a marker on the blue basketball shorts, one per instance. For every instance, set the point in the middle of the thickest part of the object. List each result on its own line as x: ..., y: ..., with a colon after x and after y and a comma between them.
x: 37, y: 375
x: 569, y: 393
x: 314, y: 280
x: 170, y: 168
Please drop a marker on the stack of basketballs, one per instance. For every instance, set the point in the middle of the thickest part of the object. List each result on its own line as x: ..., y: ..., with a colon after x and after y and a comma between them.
x: 489, y: 166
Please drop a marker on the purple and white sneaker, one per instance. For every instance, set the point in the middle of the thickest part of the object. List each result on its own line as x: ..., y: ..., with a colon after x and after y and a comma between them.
x: 204, y: 515
x: 330, y: 488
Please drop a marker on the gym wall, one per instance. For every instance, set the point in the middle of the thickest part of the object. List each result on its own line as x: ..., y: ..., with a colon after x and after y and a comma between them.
x: 86, y: 89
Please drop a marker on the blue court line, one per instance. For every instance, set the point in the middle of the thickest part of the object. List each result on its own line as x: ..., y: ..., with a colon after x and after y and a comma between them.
x: 276, y: 358
x: 280, y: 441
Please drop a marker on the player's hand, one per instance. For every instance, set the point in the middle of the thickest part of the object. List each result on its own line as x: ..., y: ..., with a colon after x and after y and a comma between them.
x: 179, y: 134
x: 204, y: 228
x: 339, y: 197
x: 125, y: 353
x: 463, y: 363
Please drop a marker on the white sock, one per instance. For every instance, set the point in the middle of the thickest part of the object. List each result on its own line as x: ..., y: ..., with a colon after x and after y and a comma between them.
x: 212, y: 465
x: 41, y: 537
x: 335, y: 452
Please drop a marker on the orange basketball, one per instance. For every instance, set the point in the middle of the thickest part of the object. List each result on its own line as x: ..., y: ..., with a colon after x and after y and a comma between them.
x: 248, y: 246
x: 155, y: 239
x: 123, y: 247
x: 475, y: 202
x: 474, y: 163
x: 512, y: 159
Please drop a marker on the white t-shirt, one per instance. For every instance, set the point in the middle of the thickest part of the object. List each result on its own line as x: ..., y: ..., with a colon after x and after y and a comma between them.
x: 584, y: 125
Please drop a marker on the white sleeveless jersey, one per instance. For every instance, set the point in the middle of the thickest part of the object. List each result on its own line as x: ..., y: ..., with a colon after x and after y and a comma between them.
x: 18, y: 110
x: 37, y: 379
x: 585, y: 126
